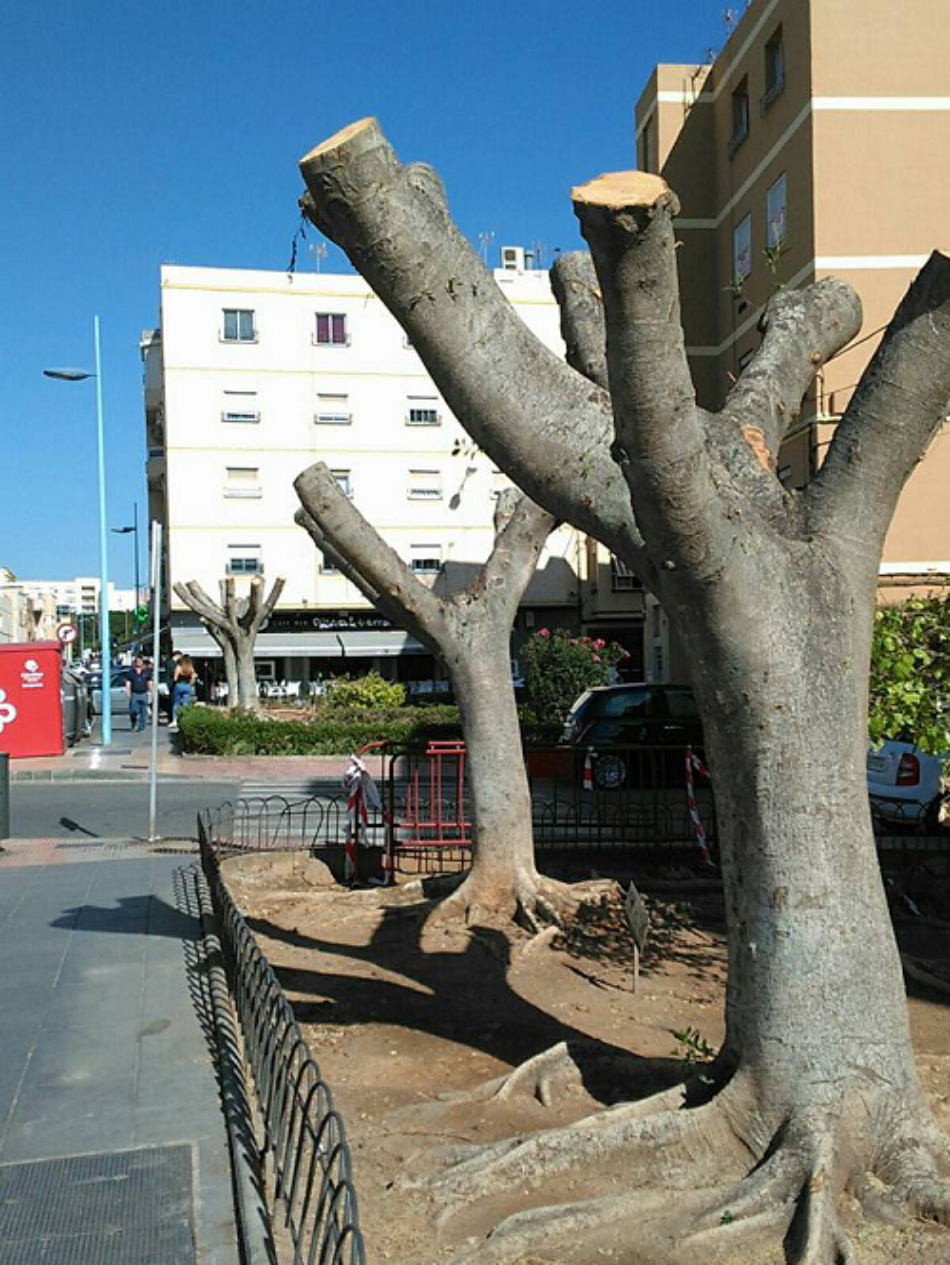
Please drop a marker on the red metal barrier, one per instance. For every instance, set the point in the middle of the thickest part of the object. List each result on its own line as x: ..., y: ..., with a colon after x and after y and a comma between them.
x: 432, y: 813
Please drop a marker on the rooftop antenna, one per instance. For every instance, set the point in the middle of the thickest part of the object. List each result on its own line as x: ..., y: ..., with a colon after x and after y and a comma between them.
x: 538, y: 250
x: 484, y: 242
x: 319, y: 252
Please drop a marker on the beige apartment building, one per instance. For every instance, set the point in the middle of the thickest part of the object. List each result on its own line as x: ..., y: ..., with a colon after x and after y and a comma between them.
x: 816, y: 144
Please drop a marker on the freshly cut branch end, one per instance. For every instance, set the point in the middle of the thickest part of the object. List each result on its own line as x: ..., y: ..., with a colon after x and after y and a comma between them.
x: 619, y: 189
x: 339, y: 139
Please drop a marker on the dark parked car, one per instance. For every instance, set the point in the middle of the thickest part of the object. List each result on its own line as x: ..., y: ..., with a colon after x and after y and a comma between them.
x: 636, y: 734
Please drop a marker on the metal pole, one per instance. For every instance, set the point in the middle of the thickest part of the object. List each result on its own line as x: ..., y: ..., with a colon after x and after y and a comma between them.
x: 156, y: 577
x: 4, y: 796
x: 105, y: 644
x: 135, y: 537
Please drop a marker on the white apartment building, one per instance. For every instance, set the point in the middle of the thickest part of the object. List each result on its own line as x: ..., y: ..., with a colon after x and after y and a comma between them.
x: 252, y: 377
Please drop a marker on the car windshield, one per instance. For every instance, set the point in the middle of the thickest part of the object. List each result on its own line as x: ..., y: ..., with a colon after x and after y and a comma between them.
x: 628, y: 704
x: 681, y: 704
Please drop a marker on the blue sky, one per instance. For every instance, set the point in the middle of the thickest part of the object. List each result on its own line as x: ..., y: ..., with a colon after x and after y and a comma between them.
x: 136, y: 135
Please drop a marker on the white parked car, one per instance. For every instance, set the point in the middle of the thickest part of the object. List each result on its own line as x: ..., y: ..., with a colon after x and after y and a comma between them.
x: 905, y: 785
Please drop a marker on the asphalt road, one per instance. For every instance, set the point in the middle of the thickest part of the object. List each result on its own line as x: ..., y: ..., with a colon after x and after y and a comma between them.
x: 110, y: 810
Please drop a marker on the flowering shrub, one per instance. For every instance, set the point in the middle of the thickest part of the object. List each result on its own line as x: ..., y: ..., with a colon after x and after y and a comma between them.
x: 559, y: 667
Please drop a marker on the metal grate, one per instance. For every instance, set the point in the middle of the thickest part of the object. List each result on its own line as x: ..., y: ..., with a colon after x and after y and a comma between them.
x: 116, y: 1208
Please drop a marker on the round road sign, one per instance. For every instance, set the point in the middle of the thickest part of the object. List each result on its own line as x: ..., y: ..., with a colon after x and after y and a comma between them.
x: 66, y: 633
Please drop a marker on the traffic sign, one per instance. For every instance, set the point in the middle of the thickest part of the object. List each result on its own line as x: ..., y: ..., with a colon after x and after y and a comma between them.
x: 66, y: 633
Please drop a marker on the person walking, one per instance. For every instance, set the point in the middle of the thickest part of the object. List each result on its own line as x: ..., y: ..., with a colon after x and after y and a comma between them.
x: 182, y: 686
x: 138, y: 689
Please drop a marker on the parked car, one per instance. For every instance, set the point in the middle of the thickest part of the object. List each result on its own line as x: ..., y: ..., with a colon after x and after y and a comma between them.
x: 76, y: 705
x: 117, y: 694
x: 905, y: 784
x: 637, y: 733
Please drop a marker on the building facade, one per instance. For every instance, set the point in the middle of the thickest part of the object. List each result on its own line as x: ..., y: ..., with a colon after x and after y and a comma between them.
x: 252, y: 377
x: 814, y: 145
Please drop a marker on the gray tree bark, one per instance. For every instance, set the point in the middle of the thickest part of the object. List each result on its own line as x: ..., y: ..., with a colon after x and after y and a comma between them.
x: 772, y: 592
x: 471, y: 630
x: 234, y: 625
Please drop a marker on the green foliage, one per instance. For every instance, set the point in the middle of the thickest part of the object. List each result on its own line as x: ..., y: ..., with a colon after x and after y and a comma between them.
x: 364, y: 693
x: 559, y: 667
x: 910, y: 673
x: 212, y: 731
x: 691, y: 1045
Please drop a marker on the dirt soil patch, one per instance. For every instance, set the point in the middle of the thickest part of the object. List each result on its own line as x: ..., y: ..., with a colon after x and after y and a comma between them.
x: 405, y: 1026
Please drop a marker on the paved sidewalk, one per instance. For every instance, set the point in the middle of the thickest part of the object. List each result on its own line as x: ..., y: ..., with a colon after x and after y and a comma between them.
x: 103, y: 1055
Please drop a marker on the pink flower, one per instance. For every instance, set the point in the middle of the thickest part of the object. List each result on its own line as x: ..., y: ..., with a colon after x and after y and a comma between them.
x: 596, y: 658
x: 573, y: 641
x: 543, y: 632
x: 599, y: 644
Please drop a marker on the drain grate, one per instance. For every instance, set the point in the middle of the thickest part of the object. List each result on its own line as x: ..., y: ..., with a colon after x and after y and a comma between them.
x: 118, y: 1208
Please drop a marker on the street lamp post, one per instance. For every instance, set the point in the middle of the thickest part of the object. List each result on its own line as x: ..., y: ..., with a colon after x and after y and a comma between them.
x: 80, y: 375
x: 124, y: 531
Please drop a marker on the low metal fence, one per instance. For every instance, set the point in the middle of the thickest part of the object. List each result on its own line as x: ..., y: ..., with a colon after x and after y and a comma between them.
x: 304, y: 1137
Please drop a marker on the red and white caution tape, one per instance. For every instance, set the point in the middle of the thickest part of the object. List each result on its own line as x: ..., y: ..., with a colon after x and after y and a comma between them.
x: 588, y: 782
x: 361, y: 795
x: 694, y: 764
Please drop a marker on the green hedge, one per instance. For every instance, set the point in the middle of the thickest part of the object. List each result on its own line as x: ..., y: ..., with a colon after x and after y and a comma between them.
x: 210, y: 731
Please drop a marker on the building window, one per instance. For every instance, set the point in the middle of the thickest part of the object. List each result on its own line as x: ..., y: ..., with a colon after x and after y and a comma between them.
x: 740, y: 116
x: 343, y: 482
x: 333, y: 410
x: 622, y: 579
x: 774, y: 70
x: 422, y: 410
x: 240, y: 406
x: 231, y: 415
x: 746, y: 358
x: 245, y: 560
x: 775, y: 224
x: 328, y: 566
x: 242, y: 481
x: 331, y: 330
x: 425, y: 485
x: 742, y: 250
x: 785, y: 476
x: 425, y: 559
x: 239, y: 325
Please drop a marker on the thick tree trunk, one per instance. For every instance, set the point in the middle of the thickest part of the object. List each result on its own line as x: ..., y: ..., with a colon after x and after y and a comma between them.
x: 503, y: 880
x: 247, y: 696
x: 230, y: 671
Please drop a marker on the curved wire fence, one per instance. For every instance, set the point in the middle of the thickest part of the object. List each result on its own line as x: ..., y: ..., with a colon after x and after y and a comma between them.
x: 304, y: 1136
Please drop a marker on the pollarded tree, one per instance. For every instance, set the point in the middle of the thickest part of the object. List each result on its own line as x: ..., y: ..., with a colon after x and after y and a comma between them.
x: 772, y: 591
x: 470, y: 629
x: 234, y: 625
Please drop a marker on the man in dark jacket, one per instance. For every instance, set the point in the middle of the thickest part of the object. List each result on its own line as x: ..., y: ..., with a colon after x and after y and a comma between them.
x: 138, y: 689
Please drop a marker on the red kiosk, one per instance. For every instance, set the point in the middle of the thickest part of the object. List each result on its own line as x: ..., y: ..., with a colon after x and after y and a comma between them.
x: 31, y: 720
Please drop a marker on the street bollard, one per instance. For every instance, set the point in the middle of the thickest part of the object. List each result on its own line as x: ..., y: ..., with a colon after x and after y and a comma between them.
x: 4, y: 796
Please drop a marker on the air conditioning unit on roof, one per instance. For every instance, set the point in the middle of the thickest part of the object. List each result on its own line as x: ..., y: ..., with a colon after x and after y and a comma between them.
x: 512, y: 258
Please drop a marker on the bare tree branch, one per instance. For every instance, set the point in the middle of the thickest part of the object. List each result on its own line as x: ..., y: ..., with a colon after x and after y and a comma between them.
x: 494, y: 374
x: 627, y: 219
x: 801, y: 330
x: 257, y: 609
x: 391, y: 609
x: 196, y: 599
x: 521, y: 530
x: 900, y: 403
x: 353, y: 537
x: 577, y: 291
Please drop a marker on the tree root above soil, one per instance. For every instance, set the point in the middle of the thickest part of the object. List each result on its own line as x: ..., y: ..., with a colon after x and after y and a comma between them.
x: 530, y: 901
x: 739, y: 1183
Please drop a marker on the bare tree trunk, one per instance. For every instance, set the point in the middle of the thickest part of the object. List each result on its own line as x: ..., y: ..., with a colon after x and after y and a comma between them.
x: 247, y: 695
x: 771, y: 591
x: 472, y: 631
x: 503, y: 881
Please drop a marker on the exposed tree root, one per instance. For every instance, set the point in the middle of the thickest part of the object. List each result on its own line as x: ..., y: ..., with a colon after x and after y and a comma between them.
x: 530, y: 900
x: 790, y: 1193
x: 543, y: 1077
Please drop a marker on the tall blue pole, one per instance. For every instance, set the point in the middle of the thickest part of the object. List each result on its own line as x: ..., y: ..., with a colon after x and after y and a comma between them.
x: 105, y: 644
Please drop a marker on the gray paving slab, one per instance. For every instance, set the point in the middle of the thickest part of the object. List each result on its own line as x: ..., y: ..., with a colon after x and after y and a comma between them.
x: 101, y: 1049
